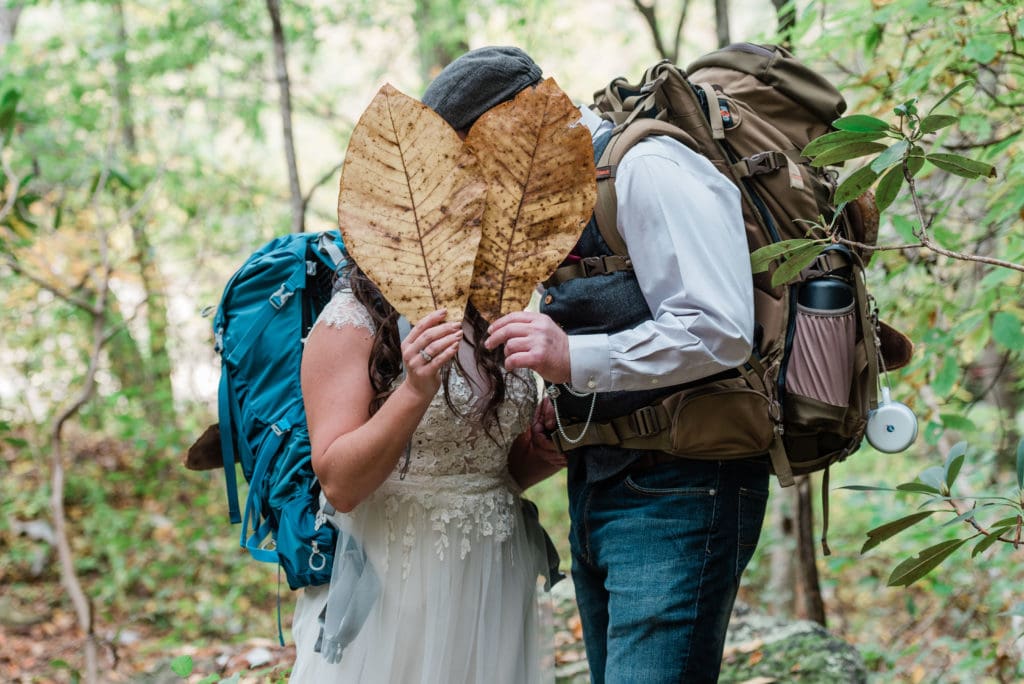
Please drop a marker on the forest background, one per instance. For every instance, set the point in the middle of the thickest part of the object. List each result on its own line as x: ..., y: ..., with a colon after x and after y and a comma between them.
x: 149, y: 147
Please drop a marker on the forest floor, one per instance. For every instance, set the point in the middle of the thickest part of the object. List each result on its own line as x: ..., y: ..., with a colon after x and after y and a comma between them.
x: 167, y: 581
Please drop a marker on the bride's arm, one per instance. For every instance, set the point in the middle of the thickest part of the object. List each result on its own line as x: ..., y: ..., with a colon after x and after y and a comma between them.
x: 353, y: 452
x: 533, y: 456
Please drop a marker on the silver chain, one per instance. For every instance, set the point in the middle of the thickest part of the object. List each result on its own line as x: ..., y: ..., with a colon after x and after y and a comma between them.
x: 553, y: 392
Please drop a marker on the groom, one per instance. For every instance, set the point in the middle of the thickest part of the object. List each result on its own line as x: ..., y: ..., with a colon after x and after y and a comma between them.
x: 658, y: 542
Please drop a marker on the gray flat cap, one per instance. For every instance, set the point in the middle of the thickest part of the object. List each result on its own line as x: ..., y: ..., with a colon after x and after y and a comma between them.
x: 478, y: 80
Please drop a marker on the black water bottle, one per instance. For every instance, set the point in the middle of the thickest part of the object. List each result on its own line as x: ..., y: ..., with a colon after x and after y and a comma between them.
x: 831, y: 290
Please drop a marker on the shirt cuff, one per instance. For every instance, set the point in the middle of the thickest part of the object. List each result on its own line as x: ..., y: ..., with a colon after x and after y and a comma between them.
x: 590, y: 363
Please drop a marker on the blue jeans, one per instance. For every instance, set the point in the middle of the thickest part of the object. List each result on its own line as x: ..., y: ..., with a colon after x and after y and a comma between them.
x: 657, y: 555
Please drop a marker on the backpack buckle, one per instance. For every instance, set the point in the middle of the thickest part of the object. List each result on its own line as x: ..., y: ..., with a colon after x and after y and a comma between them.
x: 281, y: 296
x: 763, y: 162
x: 645, y: 422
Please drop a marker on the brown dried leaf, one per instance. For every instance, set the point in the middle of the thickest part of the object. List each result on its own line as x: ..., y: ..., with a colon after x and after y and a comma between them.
x: 410, y: 204
x: 539, y: 167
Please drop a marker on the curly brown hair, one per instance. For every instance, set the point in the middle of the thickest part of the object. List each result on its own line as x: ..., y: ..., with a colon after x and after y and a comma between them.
x: 385, y: 362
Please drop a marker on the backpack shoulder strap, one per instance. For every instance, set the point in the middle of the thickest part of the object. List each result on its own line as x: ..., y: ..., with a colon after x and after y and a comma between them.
x: 624, y: 137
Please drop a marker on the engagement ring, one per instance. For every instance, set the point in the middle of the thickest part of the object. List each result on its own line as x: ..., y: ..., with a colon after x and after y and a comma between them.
x: 426, y: 355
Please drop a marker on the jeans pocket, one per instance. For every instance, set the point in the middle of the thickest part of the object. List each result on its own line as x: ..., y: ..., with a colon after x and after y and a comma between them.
x: 750, y: 518
x: 678, y: 478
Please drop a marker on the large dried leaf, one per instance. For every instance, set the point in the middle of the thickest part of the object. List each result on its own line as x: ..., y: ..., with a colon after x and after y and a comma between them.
x: 539, y: 167
x: 410, y: 205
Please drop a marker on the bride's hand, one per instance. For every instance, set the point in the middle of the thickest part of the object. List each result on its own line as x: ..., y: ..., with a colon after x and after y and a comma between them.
x: 430, y: 344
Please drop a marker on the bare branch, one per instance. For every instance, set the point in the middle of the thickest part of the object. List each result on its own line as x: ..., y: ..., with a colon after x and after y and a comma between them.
x: 323, y: 179
x: 647, y: 12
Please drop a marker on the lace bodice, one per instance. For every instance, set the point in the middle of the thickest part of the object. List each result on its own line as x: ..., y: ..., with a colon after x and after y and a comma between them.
x: 457, y: 473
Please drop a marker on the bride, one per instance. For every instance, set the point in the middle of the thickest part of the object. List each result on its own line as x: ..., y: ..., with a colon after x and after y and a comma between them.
x: 422, y: 447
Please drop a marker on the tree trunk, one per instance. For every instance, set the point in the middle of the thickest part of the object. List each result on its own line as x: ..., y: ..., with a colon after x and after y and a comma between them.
x: 442, y: 34
x: 722, y: 22
x: 122, y: 82
x: 782, y: 577
x: 809, y: 602
x: 285, y: 99
x: 149, y: 374
x: 9, y: 15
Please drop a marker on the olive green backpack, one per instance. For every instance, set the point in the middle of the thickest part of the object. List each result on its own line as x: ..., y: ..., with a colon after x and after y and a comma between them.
x: 804, y: 394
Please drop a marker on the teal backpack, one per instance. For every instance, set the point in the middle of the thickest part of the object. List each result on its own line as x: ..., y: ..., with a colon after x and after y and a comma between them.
x: 268, y: 307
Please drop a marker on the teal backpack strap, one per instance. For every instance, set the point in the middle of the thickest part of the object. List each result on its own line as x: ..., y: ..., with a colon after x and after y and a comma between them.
x: 275, y: 302
x: 261, y: 526
x: 226, y: 411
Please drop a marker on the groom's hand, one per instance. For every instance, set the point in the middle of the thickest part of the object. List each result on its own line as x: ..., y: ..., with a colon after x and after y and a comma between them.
x: 534, y: 341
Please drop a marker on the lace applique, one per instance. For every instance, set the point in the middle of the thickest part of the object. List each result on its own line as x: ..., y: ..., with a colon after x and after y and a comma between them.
x: 457, y: 482
x: 344, y: 309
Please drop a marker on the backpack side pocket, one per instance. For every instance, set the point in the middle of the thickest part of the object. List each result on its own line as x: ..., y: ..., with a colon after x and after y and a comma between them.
x: 821, y: 360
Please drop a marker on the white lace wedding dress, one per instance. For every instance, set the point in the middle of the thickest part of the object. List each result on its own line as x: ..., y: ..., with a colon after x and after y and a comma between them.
x: 458, y: 566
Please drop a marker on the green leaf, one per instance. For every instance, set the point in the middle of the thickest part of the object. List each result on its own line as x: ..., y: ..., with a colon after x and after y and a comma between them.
x: 846, y: 152
x: 1008, y: 331
x: 934, y: 477
x: 855, y: 184
x: 904, y: 228
x: 888, y: 188
x: 980, y: 50
x: 867, y: 488
x: 872, y: 38
x: 954, y: 421
x: 913, y: 569
x: 182, y: 665
x: 966, y: 515
x: 890, y: 529
x: 915, y: 161
x: 936, y: 122
x: 860, y: 123
x: 946, y: 378
x: 1020, y: 464
x: 891, y: 156
x: 796, y: 262
x: 956, y: 89
x: 918, y: 488
x: 961, y: 166
x: 830, y: 140
x: 954, y: 461
x: 989, y: 539
x: 762, y: 258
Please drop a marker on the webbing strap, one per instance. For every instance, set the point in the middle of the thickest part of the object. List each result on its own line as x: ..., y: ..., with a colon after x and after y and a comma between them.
x: 780, y: 462
x: 590, y: 266
x: 867, y: 323
x: 274, y: 303
x: 645, y: 428
x: 226, y: 415
x: 334, y: 253
x: 714, y: 111
x: 824, y: 513
x: 260, y: 525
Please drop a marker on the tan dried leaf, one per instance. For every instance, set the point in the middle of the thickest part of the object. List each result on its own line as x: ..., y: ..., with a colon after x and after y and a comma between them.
x: 539, y: 167
x: 410, y: 204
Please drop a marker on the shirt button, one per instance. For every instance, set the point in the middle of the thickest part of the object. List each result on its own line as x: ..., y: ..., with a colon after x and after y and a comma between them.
x: 654, y: 381
x: 591, y: 384
x: 548, y: 299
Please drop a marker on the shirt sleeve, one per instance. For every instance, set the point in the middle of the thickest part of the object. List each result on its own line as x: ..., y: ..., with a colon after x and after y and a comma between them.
x: 682, y: 223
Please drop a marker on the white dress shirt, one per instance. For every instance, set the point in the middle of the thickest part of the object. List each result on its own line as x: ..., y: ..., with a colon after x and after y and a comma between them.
x: 682, y: 223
